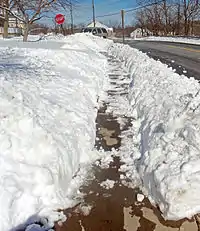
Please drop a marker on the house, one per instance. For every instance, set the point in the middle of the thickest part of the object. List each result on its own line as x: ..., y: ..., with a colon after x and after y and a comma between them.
x: 139, y: 32
x: 15, y: 27
x: 99, y: 24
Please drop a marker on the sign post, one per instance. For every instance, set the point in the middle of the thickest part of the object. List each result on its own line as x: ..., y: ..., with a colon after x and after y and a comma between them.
x: 60, y: 19
x: 122, y: 15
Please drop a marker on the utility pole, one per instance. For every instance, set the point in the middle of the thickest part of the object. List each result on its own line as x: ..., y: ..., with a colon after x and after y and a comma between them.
x: 6, y: 20
x: 93, y: 10
x: 122, y: 15
x: 178, y: 26
x: 72, y: 20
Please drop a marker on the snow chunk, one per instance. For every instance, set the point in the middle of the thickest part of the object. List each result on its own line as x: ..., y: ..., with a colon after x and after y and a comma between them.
x: 140, y: 197
x: 108, y: 184
x: 86, y: 209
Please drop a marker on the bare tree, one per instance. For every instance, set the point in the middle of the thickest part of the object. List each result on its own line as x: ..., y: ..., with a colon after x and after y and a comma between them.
x: 112, y: 23
x: 6, y: 21
x: 142, y: 20
x: 5, y: 16
x: 190, y: 11
x: 30, y: 11
x: 169, y: 17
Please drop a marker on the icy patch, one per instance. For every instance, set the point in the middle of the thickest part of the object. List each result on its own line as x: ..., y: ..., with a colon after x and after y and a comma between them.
x: 35, y: 227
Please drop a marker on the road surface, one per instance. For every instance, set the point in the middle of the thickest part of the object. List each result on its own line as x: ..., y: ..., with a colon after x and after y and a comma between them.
x: 183, y: 58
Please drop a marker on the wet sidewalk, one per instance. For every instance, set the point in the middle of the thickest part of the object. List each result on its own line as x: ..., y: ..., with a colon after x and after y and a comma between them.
x: 109, y: 203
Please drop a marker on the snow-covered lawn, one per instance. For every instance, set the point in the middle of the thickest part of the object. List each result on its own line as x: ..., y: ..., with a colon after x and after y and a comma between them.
x: 48, y: 106
x: 195, y: 41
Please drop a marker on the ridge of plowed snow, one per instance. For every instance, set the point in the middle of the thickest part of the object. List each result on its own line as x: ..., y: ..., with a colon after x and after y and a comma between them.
x: 195, y: 41
x: 47, y: 125
x: 166, y: 132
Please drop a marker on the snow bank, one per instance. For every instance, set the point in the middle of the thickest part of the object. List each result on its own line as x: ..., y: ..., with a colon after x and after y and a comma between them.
x: 166, y: 132
x: 84, y: 40
x: 88, y: 41
x: 173, y: 39
x: 47, y: 126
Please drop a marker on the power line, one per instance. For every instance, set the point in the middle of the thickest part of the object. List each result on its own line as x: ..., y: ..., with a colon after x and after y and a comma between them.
x: 129, y: 10
x: 88, y: 6
x: 106, y: 15
x: 140, y: 7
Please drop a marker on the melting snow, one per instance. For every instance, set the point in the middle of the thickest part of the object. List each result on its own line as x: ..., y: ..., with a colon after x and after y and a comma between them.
x: 108, y: 184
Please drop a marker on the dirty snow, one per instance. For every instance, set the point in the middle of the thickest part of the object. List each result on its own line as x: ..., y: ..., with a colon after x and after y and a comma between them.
x: 164, y: 147
x: 47, y: 124
x: 172, y: 39
x: 108, y: 184
x: 85, y: 209
x: 106, y: 159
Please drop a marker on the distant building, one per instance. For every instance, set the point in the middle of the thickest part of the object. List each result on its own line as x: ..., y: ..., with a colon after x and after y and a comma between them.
x: 118, y: 32
x: 15, y: 26
x: 139, y: 32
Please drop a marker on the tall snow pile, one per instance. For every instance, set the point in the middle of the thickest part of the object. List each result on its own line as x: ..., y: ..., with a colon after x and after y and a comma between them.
x: 166, y: 132
x: 48, y: 106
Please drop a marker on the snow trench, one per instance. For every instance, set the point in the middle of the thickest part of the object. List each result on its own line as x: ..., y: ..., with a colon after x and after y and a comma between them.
x: 166, y: 132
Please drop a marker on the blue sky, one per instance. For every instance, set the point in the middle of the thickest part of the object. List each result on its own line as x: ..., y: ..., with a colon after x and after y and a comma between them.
x: 83, y: 10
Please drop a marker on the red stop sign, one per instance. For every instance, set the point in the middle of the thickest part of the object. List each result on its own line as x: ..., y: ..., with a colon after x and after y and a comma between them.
x: 60, y: 18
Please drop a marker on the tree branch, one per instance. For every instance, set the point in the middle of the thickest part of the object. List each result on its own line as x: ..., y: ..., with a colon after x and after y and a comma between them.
x: 11, y: 13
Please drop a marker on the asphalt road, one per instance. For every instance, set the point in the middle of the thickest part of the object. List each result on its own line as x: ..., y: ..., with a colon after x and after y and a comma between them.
x: 183, y: 58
